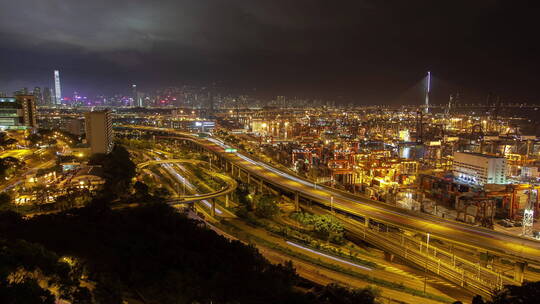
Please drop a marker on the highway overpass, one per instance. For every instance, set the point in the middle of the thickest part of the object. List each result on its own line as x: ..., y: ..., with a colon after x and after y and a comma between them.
x: 518, y: 249
x: 231, y: 183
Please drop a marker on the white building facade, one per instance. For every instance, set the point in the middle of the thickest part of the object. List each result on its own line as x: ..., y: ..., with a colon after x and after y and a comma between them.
x: 479, y: 169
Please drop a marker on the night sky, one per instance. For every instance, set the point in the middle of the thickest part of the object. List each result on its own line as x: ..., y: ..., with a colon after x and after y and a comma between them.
x: 368, y: 52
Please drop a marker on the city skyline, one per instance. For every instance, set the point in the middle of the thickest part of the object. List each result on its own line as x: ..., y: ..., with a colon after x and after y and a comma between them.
x: 240, y: 151
x: 364, y: 52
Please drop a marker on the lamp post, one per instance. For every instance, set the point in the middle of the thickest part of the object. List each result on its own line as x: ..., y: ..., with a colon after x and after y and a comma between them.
x: 183, y: 185
x: 332, y: 204
x: 425, y: 268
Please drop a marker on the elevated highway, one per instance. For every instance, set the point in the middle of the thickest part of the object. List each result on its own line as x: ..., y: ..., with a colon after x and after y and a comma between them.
x: 184, y: 199
x: 517, y: 249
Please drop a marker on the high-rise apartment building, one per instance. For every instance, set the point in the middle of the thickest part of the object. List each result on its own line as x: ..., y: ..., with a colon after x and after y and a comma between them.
x: 18, y: 112
x: 479, y: 169
x: 57, y: 89
x: 99, y: 133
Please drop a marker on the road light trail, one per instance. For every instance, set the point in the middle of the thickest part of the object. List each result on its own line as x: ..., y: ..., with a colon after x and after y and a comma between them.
x: 188, y: 184
x: 328, y: 256
x: 327, y: 193
x: 357, y: 206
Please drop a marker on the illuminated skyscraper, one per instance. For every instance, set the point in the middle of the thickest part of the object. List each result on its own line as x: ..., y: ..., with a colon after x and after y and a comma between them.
x: 428, y: 88
x: 57, y: 90
x: 137, y: 97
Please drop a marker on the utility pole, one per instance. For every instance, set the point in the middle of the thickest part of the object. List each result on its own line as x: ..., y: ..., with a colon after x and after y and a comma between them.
x: 425, y: 268
x: 420, y: 126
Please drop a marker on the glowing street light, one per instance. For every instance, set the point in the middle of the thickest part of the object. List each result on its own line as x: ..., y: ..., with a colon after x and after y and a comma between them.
x: 425, y: 268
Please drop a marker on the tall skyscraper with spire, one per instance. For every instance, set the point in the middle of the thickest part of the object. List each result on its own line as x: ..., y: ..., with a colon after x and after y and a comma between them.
x: 57, y: 89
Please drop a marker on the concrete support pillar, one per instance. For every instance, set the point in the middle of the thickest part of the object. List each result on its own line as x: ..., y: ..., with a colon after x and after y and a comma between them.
x: 366, y: 221
x: 248, y: 178
x: 213, y: 207
x: 261, y: 186
x: 389, y: 257
x: 227, y: 200
x: 296, y: 201
x: 519, y: 270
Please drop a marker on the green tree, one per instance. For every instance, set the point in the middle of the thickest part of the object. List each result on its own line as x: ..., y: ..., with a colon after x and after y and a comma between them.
x: 27, y: 291
x: 328, y: 227
x: 162, y: 192
x: 141, y: 189
x: 34, y: 139
x: 9, y: 165
x: 266, y: 206
x: 334, y: 293
x: 21, y: 261
x: 118, y: 171
x: 5, y: 201
x: 6, y: 141
x: 527, y: 293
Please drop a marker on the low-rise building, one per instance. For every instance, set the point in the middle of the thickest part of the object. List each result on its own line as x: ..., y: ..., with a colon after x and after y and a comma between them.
x: 479, y: 169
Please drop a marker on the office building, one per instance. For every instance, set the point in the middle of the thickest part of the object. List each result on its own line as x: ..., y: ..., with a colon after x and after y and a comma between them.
x: 47, y: 97
x: 38, y: 97
x: 99, y: 133
x: 18, y: 112
x: 57, y: 89
x: 479, y: 169
x: 134, y: 103
x: 138, y: 97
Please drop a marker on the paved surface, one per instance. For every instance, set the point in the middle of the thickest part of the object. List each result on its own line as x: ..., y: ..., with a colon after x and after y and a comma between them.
x: 476, y: 237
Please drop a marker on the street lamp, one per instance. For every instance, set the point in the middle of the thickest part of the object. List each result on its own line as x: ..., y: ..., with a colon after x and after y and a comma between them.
x: 183, y: 185
x: 332, y: 204
x: 425, y: 268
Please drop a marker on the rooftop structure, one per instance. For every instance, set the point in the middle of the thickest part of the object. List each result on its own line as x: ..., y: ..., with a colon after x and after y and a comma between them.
x: 479, y: 169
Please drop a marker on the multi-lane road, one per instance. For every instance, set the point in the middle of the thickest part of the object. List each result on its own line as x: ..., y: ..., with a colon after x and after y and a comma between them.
x: 166, y: 163
x: 476, y: 237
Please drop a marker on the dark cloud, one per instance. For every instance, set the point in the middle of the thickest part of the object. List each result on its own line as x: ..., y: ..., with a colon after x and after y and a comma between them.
x: 368, y: 49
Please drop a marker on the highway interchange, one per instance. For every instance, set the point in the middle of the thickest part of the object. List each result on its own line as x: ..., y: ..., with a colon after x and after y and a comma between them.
x: 484, y: 240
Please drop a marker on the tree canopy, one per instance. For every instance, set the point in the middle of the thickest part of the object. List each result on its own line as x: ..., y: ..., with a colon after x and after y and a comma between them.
x: 23, y: 265
x: 118, y: 171
x: 156, y: 253
x: 528, y: 293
